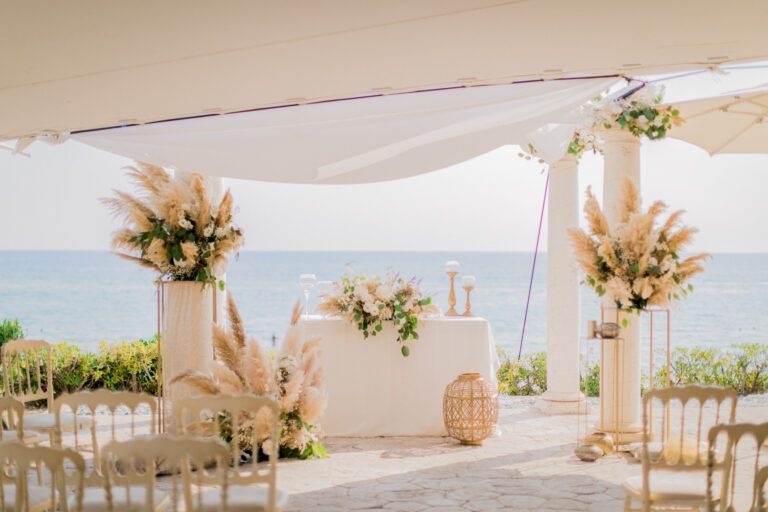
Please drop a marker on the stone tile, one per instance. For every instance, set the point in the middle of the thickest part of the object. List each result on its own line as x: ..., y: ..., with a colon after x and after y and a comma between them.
x: 530, y: 467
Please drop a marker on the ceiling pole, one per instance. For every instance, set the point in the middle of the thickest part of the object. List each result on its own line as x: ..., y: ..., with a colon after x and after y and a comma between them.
x: 621, y: 158
x: 563, y: 310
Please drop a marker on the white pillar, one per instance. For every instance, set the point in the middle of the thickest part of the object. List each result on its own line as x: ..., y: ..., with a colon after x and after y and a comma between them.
x: 563, y: 394
x: 621, y: 158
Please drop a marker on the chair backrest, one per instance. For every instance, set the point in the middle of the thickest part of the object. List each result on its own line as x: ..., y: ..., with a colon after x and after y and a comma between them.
x: 24, y: 362
x: 136, y: 462
x: 727, y: 463
x: 236, y: 418
x: 110, y: 401
x: 17, y: 460
x: 13, y: 412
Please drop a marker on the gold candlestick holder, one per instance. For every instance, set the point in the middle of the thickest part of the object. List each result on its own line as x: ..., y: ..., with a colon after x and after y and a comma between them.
x: 468, y: 283
x: 452, y: 295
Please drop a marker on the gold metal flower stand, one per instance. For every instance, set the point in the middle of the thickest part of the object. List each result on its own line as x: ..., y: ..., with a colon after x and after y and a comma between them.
x: 611, y: 423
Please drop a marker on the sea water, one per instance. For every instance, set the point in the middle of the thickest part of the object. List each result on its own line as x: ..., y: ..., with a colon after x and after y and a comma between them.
x: 90, y: 297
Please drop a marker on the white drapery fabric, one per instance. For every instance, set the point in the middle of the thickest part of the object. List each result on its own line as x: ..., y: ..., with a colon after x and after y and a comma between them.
x: 362, y: 140
x: 374, y: 391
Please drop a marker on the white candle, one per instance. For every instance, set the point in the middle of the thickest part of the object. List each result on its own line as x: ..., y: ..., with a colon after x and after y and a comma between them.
x: 452, y: 266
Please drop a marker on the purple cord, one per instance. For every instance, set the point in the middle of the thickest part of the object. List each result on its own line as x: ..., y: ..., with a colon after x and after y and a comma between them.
x: 530, y: 285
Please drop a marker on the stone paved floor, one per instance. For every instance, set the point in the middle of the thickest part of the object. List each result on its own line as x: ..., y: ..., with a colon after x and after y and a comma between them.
x: 529, y: 466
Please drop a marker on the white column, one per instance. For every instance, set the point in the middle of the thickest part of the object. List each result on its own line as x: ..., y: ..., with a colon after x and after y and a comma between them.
x: 562, y: 395
x: 621, y: 158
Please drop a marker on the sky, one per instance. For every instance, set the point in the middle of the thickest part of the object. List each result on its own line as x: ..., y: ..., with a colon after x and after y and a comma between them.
x: 489, y: 203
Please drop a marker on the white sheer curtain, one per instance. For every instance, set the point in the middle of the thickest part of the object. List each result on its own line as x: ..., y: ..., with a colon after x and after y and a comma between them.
x: 361, y: 140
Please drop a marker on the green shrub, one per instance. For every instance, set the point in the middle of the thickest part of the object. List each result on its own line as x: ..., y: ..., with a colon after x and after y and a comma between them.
x: 743, y: 367
x: 10, y: 330
x: 527, y: 376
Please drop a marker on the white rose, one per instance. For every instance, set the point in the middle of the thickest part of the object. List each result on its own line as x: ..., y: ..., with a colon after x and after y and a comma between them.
x: 653, y: 261
x: 184, y: 223
x: 209, y: 230
x: 383, y: 292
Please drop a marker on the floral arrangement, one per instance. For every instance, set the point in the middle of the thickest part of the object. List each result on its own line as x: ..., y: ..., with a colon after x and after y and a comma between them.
x: 368, y: 302
x: 637, y: 263
x: 173, y: 228
x: 293, y: 377
x: 640, y: 113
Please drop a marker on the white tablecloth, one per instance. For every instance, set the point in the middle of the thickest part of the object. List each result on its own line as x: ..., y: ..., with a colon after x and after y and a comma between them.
x: 374, y: 391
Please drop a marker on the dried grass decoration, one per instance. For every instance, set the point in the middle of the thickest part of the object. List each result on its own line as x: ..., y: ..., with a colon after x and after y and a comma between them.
x: 637, y: 263
x: 172, y: 227
x: 293, y: 377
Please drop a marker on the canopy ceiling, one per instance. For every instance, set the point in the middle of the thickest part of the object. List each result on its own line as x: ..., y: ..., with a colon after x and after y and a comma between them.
x: 87, y: 64
x: 361, y: 140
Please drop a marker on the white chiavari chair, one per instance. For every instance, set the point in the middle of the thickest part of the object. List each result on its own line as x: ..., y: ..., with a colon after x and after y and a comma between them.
x: 235, y: 415
x: 24, y: 362
x: 674, y: 468
x: 111, y: 407
x: 131, y: 467
x: 756, y: 472
x: 18, y: 494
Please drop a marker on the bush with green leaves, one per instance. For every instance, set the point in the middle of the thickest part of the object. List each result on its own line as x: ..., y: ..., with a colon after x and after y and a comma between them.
x: 744, y: 367
x: 10, y: 329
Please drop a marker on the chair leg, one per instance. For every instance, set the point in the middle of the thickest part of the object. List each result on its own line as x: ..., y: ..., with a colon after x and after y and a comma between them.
x: 628, y: 503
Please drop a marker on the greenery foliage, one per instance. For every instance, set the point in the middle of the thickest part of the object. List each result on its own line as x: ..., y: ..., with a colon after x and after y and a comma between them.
x: 129, y: 366
x: 744, y: 367
x: 10, y: 329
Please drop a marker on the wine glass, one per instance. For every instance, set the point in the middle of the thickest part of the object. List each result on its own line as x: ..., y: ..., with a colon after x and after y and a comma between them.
x: 307, y: 282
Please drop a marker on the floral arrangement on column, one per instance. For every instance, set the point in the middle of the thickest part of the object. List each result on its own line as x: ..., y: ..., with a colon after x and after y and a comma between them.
x: 637, y: 262
x: 293, y: 377
x: 369, y: 301
x: 172, y: 227
x: 641, y: 114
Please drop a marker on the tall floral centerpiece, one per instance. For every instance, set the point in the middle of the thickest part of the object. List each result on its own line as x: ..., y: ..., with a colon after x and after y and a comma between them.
x: 369, y: 301
x: 173, y: 227
x: 636, y: 263
x: 293, y: 377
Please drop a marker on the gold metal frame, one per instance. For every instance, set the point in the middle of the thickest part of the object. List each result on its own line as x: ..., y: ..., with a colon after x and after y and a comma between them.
x: 619, y: 356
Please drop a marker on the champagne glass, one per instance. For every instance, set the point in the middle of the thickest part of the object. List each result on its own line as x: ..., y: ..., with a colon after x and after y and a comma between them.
x: 307, y: 282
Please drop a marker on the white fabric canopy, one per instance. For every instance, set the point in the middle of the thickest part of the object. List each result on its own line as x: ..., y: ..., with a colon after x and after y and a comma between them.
x: 85, y: 64
x: 361, y: 140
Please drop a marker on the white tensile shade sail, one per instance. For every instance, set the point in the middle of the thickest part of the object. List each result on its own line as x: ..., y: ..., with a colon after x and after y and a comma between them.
x: 362, y: 140
x: 84, y: 64
x: 727, y: 124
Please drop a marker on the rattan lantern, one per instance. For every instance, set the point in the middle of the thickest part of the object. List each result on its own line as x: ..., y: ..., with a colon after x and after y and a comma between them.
x: 470, y: 409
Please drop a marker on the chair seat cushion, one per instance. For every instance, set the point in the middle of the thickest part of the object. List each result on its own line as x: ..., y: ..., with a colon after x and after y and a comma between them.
x: 39, y: 497
x: 241, y: 498
x: 47, y: 421
x: 672, y: 486
x: 29, y: 437
x: 95, y: 499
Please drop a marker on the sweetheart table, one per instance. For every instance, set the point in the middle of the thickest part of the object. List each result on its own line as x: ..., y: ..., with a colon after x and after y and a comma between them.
x: 374, y: 391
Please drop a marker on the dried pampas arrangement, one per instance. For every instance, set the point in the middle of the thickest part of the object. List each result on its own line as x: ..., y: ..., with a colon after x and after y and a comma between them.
x: 172, y: 227
x: 637, y: 262
x: 293, y: 377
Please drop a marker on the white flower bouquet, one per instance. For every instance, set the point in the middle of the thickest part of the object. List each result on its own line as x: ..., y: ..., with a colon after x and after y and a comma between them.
x: 173, y: 228
x: 368, y: 302
x: 637, y: 262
